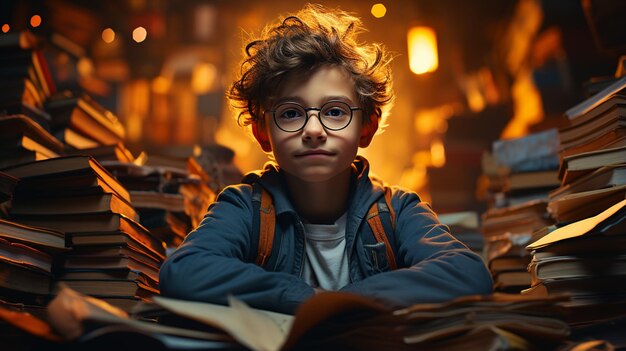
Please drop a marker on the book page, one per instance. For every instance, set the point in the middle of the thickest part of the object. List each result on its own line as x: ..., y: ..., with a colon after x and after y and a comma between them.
x: 576, y: 229
x: 253, y: 328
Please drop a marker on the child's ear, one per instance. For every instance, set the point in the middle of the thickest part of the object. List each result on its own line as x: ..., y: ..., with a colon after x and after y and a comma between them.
x: 260, y: 134
x: 368, y: 129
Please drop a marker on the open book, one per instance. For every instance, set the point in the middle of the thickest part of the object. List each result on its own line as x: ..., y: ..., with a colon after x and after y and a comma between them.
x: 333, y: 320
x: 73, y: 315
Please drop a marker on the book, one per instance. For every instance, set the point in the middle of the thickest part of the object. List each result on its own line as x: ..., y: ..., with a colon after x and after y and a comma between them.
x: 511, y: 281
x: 575, y: 166
x: 98, y: 228
x: 22, y: 278
x: 603, y: 177
x: 582, y: 227
x: 613, y: 102
x: 578, y: 206
x: 79, y: 204
x: 583, y: 245
x: 18, y: 156
x: 508, y: 263
x: 157, y: 200
x: 118, y: 251
x: 589, y: 104
x: 85, y: 116
x: 533, y: 152
x: 523, y: 218
x: 533, y: 180
x: 19, y: 131
x: 76, y: 140
x: 104, y: 275
x: 609, y: 140
x: 110, y: 288
x: 48, y: 240
x: 36, y: 114
x: 153, y: 246
x: 120, y: 262
x: 18, y: 253
x: 544, y: 267
x: 613, y: 119
x: 112, y: 152
x: 80, y: 183
x: 55, y: 169
x: 580, y: 287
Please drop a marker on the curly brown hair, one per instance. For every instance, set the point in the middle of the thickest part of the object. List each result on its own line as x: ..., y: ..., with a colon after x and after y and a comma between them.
x: 313, y: 37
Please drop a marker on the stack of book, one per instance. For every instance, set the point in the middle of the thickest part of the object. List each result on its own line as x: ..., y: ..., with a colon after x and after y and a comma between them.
x: 593, y: 156
x: 112, y: 256
x: 584, y: 259
x: 25, y: 80
x: 506, y: 232
x: 171, y: 197
x: 582, y: 253
x: 27, y: 255
x: 532, y: 162
x: 82, y: 123
x: 522, y: 172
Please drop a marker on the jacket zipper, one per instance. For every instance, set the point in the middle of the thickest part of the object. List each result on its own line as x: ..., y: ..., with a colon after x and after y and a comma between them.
x: 300, y: 227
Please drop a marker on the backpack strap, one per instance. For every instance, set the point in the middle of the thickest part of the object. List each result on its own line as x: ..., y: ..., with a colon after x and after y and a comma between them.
x: 266, y: 228
x: 376, y: 225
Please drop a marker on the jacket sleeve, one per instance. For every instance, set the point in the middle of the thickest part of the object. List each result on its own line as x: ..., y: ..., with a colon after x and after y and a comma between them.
x: 440, y: 267
x: 211, y: 263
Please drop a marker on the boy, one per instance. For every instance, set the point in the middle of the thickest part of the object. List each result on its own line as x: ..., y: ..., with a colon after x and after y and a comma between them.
x: 312, y: 95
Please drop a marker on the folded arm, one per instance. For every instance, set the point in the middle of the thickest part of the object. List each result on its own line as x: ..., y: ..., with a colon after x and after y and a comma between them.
x: 437, y: 266
x: 214, y: 261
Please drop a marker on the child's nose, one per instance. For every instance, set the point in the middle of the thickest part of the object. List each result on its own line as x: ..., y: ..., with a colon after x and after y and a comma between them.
x: 313, y: 127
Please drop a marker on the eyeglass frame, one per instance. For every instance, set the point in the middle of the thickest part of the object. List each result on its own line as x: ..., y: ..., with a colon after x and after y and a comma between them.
x: 319, y: 109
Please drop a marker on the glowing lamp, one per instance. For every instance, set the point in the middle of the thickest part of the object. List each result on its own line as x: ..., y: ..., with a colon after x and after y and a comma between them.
x: 422, y: 44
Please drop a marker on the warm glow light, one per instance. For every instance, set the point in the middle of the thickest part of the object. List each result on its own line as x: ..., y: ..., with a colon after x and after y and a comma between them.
x: 85, y: 67
x: 108, y: 35
x: 475, y: 99
x: 437, y: 154
x: 203, y: 77
x: 35, y: 21
x: 161, y: 85
x: 140, y: 34
x: 433, y: 120
x: 422, y: 44
x: 527, y: 106
x: 5, y: 28
x: 379, y: 10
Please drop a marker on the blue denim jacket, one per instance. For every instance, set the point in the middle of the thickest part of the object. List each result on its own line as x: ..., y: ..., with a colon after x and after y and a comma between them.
x: 217, y: 258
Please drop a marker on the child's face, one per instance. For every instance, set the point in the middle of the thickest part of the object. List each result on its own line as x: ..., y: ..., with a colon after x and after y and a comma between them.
x: 315, y: 153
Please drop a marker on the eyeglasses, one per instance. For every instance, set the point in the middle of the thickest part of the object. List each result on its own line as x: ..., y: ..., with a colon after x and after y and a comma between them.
x: 334, y: 115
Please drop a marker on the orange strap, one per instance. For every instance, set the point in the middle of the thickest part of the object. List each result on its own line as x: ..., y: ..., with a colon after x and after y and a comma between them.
x: 373, y: 219
x: 266, y: 233
x: 392, y: 213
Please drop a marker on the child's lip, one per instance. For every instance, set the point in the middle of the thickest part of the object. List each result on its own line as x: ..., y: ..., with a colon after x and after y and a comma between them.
x: 314, y: 152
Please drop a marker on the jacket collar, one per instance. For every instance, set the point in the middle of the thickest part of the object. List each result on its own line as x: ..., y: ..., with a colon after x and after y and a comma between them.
x: 363, y: 191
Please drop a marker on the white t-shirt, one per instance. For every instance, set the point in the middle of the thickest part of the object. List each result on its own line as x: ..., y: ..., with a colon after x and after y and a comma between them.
x: 325, y: 259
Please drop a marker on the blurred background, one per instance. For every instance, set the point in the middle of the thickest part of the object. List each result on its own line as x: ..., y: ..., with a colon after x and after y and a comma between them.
x: 466, y: 74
